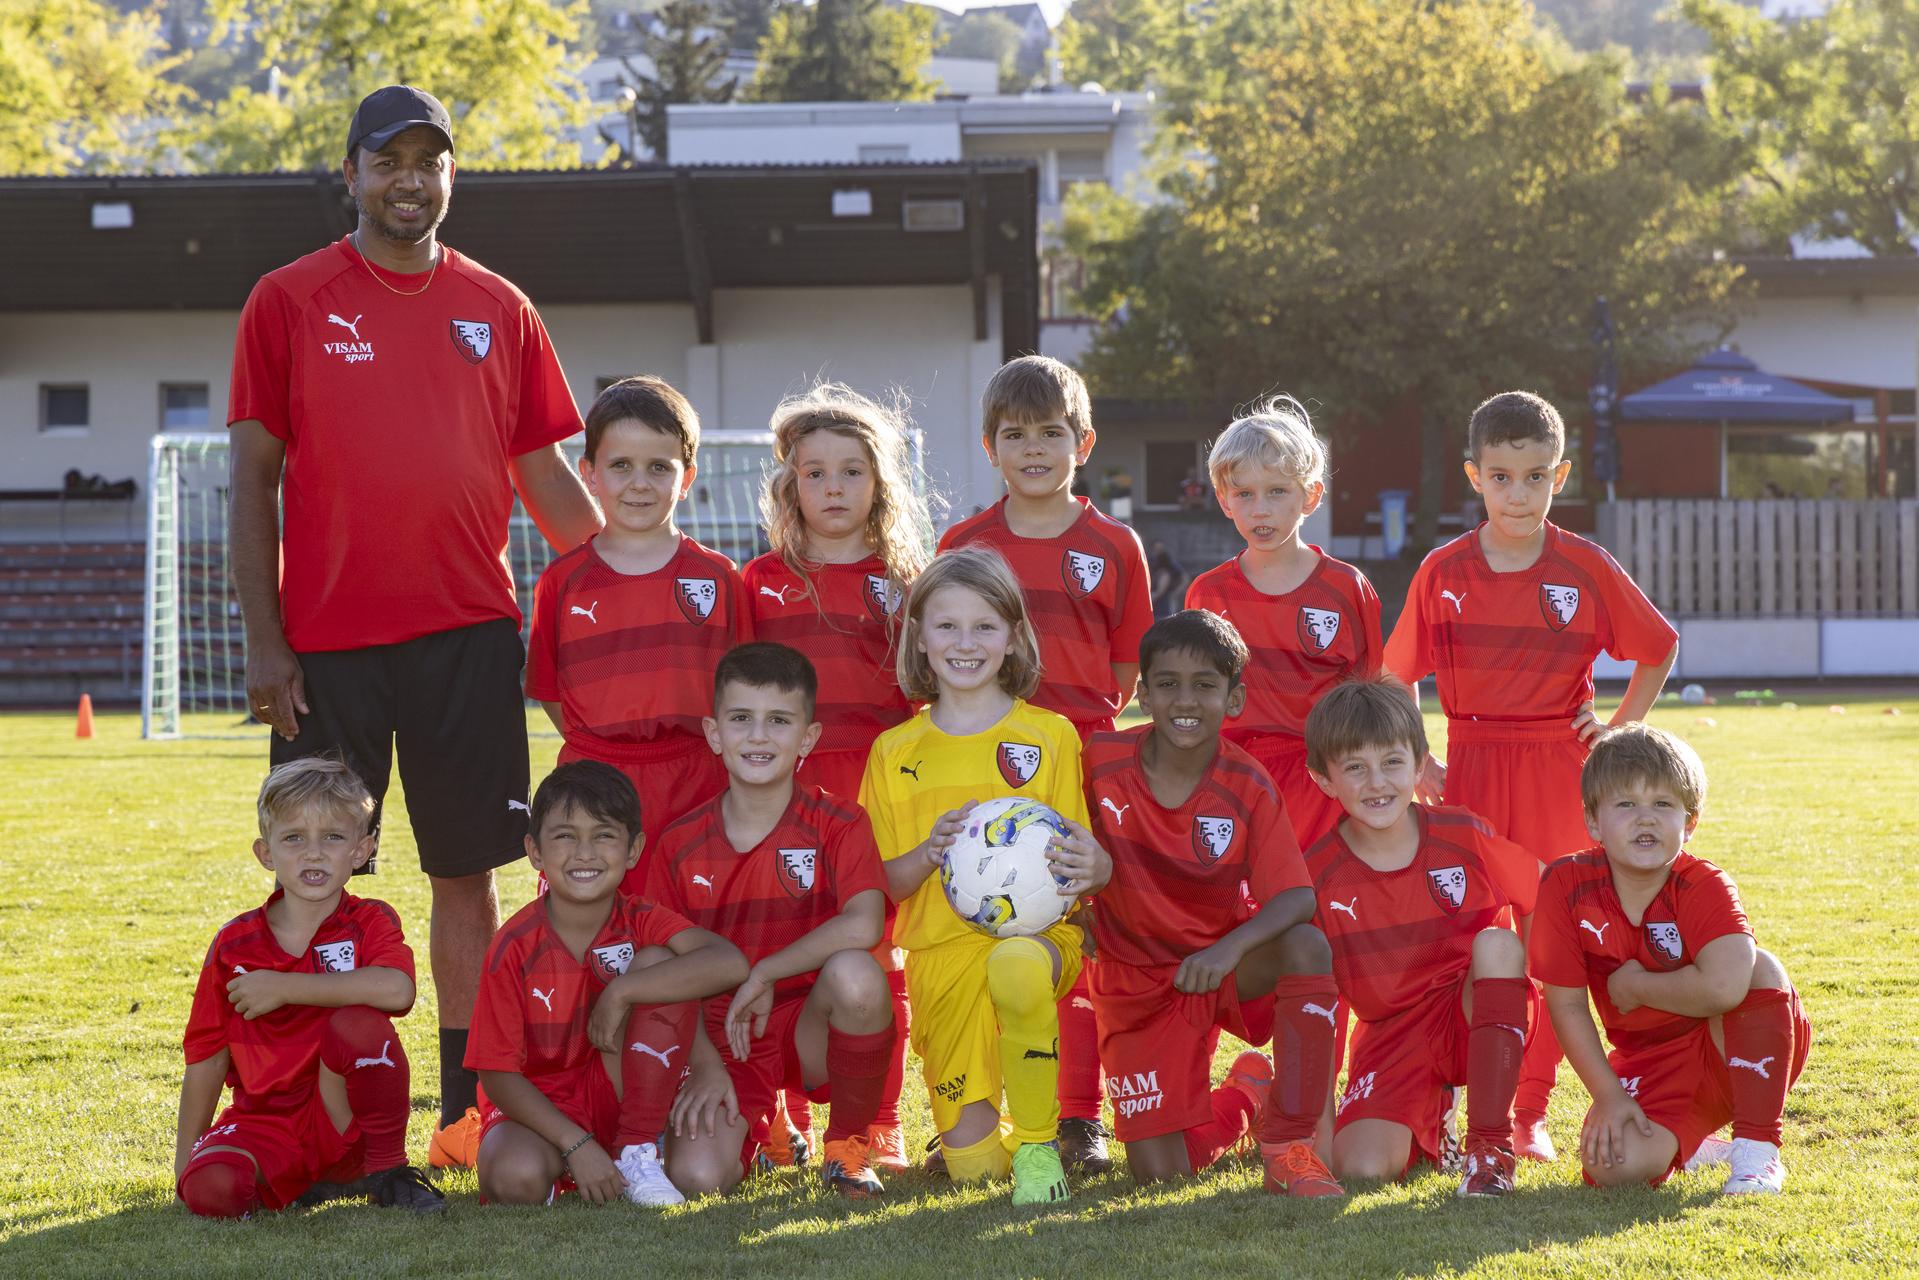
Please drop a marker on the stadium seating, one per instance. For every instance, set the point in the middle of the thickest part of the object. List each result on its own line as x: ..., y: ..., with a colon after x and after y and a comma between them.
x: 70, y: 622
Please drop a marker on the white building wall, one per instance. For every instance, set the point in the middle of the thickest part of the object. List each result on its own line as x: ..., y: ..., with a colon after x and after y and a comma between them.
x: 1872, y: 341
x: 831, y: 133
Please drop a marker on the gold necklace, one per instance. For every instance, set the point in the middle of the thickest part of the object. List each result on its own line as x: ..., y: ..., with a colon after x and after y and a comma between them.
x: 439, y: 253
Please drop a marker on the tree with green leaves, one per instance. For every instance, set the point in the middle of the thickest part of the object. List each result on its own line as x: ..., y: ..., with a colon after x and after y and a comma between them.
x: 1825, y: 107
x: 746, y: 21
x: 1120, y: 44
x: 502, y: 67
x: 845, y: 51
x: 990, y: 36
x: 85, y: 88
x: 687, y: 50
x: 1405, y: 207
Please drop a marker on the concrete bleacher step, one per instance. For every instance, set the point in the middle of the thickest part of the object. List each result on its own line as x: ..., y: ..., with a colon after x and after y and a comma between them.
x: 71, y: 622
x: 73, y: 555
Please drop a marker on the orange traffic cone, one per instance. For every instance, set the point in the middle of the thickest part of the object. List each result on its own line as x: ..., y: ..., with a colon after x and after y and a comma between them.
x: 84, y: 728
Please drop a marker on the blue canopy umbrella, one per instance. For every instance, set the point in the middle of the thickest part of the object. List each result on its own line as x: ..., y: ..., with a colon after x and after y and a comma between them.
x: 1724, y: 386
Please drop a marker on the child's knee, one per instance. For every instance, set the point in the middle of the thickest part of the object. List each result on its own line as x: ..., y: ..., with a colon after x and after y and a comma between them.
x: 221, y: 1184
x: 1370, y: 1164
x: 1768, y: 974
x: 1498, y: 953
x: 706, y: 1169
x: 357, y: 1034
x: 508, y: 1178
x: 855, y: 980
x: 1019, y: 976
x: 1303, y: 949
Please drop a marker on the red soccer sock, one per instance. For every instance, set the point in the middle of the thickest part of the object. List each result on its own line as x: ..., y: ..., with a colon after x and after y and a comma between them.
x: 856, y: 1064
x: 652, y: 1060
x: 1759, y: 1057
x: 1538, y: 1072
x: 220, y: 1184
x: 361, y: 1045
x: 1304, y: 1020
x: 889, y: 1113
x: 1232, y: 1116
x: 1495, y: 1047
x: 1081, y: 1084
x: 799, y: 1113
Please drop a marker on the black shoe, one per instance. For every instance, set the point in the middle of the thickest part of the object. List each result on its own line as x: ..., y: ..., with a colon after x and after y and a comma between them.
x: 935, y: 1162
x: 1082, y: 1146
x: 404, y: 1187
x: 323, y: 1192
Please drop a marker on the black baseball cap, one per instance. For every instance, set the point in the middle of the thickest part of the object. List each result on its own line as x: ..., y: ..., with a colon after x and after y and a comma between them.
x: 386, y: 113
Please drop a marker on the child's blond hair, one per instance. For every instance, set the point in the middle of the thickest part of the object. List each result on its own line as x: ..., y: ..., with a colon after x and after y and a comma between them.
x: 1277, y: 433
x: 1035, y: 389
x: 312, y: 782
x: 988, y: 576
x: 897, y: 529
x: 1373, y: 711
x: 1639, y: 755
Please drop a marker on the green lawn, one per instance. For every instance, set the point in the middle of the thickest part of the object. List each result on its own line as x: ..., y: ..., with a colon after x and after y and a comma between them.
x: 119, y: 859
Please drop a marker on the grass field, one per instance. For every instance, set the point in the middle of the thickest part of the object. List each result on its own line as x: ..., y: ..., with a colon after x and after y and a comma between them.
x: 119, y: 859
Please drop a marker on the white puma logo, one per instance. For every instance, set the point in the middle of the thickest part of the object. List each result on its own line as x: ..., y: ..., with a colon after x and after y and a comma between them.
x: 651, y: 1052
x: 1321, y: 1010
x: 1081, y: 1002
x: 703, y: 882
x: 1347, y: 907
x: 351, y: 326
x: 1759, y: 1066
x: 1459, y: 601
x: 512, y: 804
x: 239, y: 968
x: 544, y: 997
x: 1597, y: 931
x: 382, y: 1061
x: 587, y: 612
x: 1119, y: 810
x: 779, y: 595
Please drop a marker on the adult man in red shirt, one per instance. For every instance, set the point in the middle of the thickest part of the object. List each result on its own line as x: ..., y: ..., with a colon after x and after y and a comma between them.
x: 400, y: 394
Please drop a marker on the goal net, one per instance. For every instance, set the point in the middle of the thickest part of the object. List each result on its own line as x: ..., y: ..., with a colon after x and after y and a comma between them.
x: 195, y: 653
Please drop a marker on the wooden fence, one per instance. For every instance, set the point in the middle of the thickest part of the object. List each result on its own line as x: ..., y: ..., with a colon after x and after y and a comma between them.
x: 1769, y: 559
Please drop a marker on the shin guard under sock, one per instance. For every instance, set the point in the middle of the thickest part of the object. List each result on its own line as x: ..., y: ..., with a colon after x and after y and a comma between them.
x: 889, y: 1112
x: 1759, y: 1058
x: 1303, y: 1026
x: 1495, y: 1046
x: 856, y: 1064
x: 1080, y: 1086
x: 361, y: 1046
x: 652, y: 1059
x: 1019, y: 979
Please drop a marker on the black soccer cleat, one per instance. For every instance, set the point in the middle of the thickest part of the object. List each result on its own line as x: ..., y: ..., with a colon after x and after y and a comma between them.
x: 1082, y: 1146
x: 404, y: 1187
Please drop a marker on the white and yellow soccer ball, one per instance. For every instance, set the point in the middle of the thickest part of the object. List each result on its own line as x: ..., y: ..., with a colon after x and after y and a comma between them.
x: 996, y: 875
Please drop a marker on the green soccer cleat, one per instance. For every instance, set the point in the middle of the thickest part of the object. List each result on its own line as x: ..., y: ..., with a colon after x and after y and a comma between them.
x: 1038, y: 1175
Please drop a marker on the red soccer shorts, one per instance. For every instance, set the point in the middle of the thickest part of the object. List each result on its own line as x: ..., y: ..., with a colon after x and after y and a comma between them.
x: 1311, y: 811
x: 1400, y: 1066
x: 1684, y: 1084
x: 837, y: 773
x: 772, y: 1065
x: 673, y: 778
x: 293, y: 1149
x: 1157, y: 1044
x: 1522, y: 777
x: 584, y: 1095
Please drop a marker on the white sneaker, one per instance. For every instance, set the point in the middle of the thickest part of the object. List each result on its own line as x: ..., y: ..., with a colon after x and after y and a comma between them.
x: 646, y: 1180
x: 1713, y: 1151
x: 1756, y: 1169
x: 1451, y: 1158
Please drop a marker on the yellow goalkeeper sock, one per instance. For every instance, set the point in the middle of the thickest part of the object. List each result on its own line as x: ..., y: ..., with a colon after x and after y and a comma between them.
x: 1019, y: 977
x: 987, y: 1158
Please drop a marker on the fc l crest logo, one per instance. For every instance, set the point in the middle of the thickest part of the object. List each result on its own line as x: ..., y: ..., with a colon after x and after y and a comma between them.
x: 1448, y: 887
x: 1318, y: 628
x: 613, y: 959
x: 471, y: 338
x: 1663, y: 936
x: 1018, y: 762
x: 1212, y: 837
x: 882, y: 597
x: 696, y: 597
x: 1083, y: 573
x: 796, y: 870
x: 335, y: 957
x: 1558, y: 604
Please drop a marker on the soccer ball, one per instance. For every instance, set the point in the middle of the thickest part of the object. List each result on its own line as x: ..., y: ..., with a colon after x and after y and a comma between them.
x: 996, y: 876
x: 1693, y: 695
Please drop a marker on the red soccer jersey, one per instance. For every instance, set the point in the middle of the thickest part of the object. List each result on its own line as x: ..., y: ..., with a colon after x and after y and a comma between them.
x: 1090, y: 599
x: 535, y: 999
x: 630, y: 656
x: 371, y: 392
x: 1303, y: 643
x: 1399, y: 936
x: 1520, y: 646
x: 1581, y: 934
x: 842, y: 629
x: 763, y: 900
x: 276, y: 1056
x: 1182, y: 877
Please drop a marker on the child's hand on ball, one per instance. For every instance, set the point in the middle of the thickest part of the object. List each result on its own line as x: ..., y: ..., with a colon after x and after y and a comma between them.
x: 1077, y: 859
x: 946, y: 831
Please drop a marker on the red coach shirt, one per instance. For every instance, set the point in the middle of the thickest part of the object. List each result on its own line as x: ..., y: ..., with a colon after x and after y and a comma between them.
x: 842, y: 630
x: 1090, y: 599
x: 1182, y: 877
x: 535, y: 999
x: 399, y: 416
x: 1398, y: 937
x: 630, y: 656
x: 765, y: 899
x: 276, y: 1056
x: 1303, y: 643
x: 1520, y: 646
x: 1581, y: 934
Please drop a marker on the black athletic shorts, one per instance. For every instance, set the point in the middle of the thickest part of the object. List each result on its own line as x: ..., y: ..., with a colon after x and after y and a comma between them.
x: 452, y: 701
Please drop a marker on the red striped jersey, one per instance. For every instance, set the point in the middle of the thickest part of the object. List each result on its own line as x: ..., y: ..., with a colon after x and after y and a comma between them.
x: 1399, y: 936
x: 764, y: 899
x: 841, y: 628
x: 1303, y: 643
x: 1581, y: 934
x: 1521, y: 645
x: 1090, y: 599
x: 276, y: 1056
x: 1183, y: 878
x: 535, y: 999
x: 630, y: 656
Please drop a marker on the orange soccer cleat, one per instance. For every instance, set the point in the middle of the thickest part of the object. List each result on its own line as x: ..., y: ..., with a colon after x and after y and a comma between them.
x: 456, y: 1145
x: 888, y: 1147
x: 847, y: 1168
x: 1295, y: 1169
x: 785, y: 1146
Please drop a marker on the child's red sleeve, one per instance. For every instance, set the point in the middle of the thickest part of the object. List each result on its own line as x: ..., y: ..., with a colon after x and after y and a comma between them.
x: 655, y: 925
x: 1710, y: 909
x: 543, y: 640
x: 1512, y: 868
x: 1277, y: 864
x: 383, y: 942
x: 739, y: 619
x: 1409, y: 651
x: 548, y: 413
x: 853, y: 860
x: 1366, y: 602
x: 1135, y: 607
x: 1553, y: 953
x: 496, y: 1039
x: 207, y: 1019
x: 1635, y: 629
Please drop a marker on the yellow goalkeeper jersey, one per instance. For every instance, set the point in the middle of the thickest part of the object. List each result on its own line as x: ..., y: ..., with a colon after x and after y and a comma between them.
x: 917, y: 771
